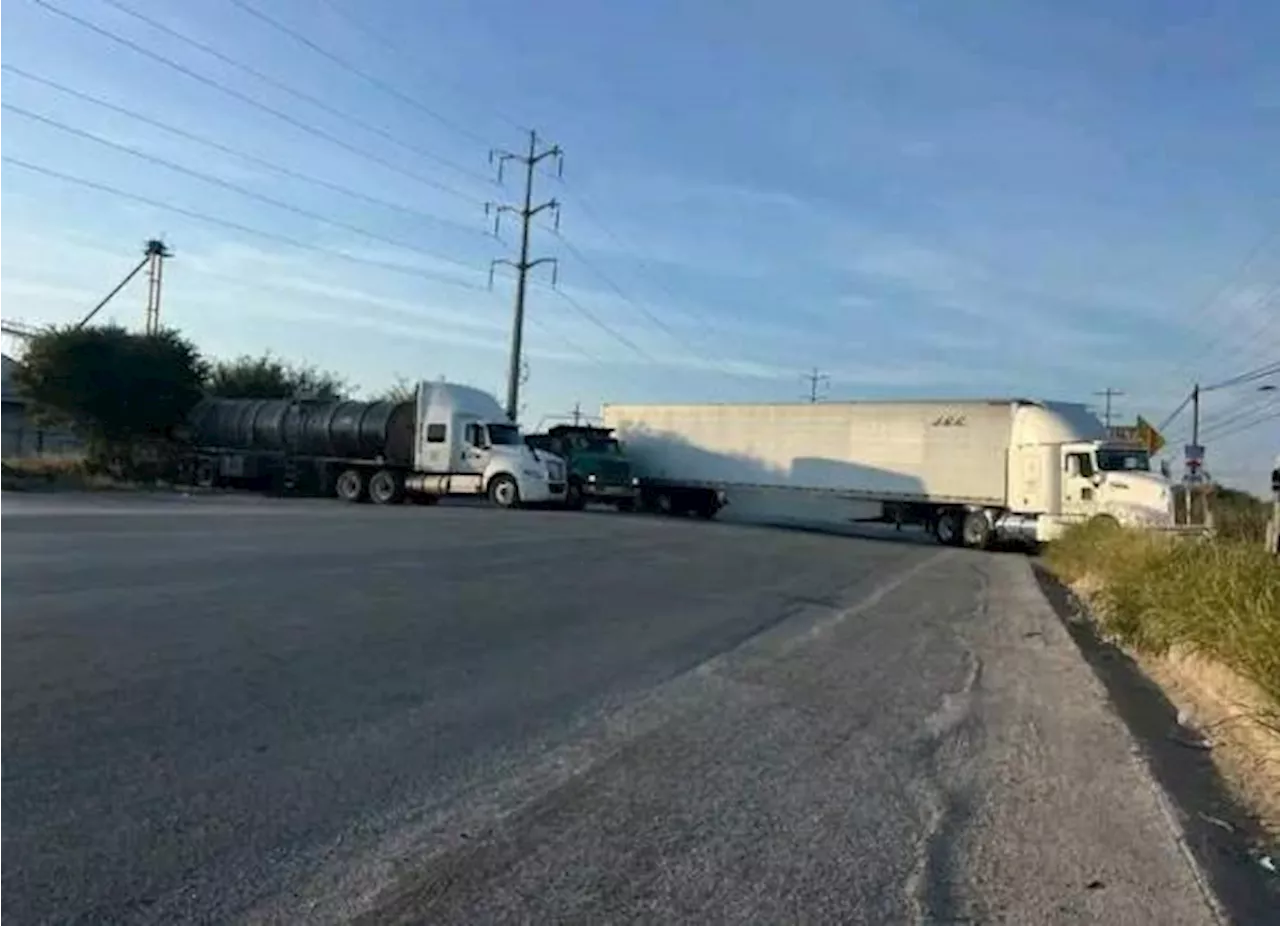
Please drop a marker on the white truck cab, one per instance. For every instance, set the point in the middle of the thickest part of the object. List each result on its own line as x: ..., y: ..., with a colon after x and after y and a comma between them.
x: 464, y: 444
x: 1063, y: 470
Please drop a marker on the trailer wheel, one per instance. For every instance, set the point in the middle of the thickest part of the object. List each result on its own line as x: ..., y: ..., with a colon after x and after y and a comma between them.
x: 350, y: 486
x: 206, y: 473
x: 975, y: 531
x: 504, y: 492
x: 949, y: 527
x: 386, y: 487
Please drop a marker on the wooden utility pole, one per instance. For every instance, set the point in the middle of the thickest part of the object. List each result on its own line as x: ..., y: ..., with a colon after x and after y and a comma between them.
x: 527, y: 212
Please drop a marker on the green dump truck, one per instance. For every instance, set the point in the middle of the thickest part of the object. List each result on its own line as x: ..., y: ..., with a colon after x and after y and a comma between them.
x: 599, y: 470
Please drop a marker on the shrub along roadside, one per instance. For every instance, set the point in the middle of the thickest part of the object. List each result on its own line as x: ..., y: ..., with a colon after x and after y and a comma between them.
x: 1218, y: 598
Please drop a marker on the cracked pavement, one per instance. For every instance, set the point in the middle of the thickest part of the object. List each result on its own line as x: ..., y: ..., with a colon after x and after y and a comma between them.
x: 285, y: 712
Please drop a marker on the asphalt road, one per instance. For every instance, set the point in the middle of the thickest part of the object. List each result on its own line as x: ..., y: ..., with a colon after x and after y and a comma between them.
x: 245, y: 710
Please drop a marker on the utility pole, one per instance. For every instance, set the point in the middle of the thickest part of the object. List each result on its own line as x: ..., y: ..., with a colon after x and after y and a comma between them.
x: 155, y: 252
x: 577, y: 413
x: 527, y: 212
x: 153, y: 255
x: 815, y: 379
x: 1109, y: 393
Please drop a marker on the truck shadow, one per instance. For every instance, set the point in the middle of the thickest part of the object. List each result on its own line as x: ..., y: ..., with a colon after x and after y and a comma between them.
x: 803, y: 493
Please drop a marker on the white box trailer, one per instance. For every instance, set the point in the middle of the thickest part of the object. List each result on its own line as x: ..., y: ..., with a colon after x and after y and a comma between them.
x: 970, y: 470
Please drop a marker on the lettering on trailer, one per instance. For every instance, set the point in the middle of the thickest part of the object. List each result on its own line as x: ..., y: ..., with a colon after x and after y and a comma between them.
x: 949, y: 421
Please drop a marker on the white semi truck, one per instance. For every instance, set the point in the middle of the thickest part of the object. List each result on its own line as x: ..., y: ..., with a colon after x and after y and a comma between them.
x: 447, y: 440
x: 970, y: 471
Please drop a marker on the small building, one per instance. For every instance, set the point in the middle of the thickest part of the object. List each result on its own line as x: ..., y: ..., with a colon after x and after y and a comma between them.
x: 22, y: 437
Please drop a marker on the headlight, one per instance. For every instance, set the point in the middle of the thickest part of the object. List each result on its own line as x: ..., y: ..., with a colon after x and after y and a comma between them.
x: 635, y: 480
x: 591, y: 478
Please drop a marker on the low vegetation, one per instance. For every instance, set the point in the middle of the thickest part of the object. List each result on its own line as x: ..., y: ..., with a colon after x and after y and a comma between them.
x: 1218, y: 598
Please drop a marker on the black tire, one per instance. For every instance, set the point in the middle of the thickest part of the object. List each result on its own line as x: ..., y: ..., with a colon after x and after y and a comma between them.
x: 706, y: 507
x: 504, y: 492
x: 206, y: 476
x: 386, y: 487
x: 350, y: 486
x: 948, y: 528
x: 663, y: 503
x: 573, y: 498
x: 975, y: 530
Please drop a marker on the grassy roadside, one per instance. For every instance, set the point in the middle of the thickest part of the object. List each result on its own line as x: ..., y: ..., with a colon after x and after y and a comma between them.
x: 45, y: 474
x: 1218, y: 599
x: 1201, y: 618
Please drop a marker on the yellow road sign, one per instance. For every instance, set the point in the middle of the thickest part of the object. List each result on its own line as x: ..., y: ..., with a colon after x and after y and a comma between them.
x: 1149, y: 435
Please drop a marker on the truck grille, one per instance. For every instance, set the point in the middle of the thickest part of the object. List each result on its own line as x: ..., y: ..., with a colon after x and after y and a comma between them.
x: 614, y: 472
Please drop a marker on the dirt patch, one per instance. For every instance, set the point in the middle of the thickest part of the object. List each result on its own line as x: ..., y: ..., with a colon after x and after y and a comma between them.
x: 1235, y: 719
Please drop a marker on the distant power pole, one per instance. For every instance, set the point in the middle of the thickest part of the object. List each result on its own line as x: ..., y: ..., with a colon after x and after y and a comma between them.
x: 155, y: 253
x: 526, y: 212
x: 153, y: 256
x: 816, y: 381
x: 1109, y: 394
x: 577, y: 413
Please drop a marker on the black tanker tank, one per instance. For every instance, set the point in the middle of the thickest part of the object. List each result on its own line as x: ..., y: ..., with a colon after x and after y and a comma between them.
x: 350, y: 430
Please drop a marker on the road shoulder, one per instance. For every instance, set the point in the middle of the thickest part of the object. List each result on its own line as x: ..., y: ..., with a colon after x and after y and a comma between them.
x: 1219, y: 832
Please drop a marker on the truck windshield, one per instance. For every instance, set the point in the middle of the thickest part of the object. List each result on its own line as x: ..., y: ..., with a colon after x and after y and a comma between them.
x: 599, y: 445
x: 504, y: 435
x: 1113, y: 459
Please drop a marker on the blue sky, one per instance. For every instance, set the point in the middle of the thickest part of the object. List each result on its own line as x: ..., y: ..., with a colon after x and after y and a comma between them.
x: 990, y: 198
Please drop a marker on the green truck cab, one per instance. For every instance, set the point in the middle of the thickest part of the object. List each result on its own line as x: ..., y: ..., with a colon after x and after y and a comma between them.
x: 599, y: 470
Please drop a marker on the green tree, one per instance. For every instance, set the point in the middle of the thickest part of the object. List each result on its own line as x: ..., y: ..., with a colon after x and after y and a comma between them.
x: 269, y: 377
x: 111, y: 387
x: 402, y: 390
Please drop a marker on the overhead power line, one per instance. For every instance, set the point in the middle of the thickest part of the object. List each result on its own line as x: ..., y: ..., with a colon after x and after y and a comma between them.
x: 258, y: 284
x: 242, y: 155
x: 357, y: 72
x: 638, y: 306
x: 585, y: 206
x: 359, y: 24
x: 604, y: 326
x: 237, y: 226
x: 1248, y: 425
x: 236, y: 188
x: 295, y: 92
x: 256, y: 104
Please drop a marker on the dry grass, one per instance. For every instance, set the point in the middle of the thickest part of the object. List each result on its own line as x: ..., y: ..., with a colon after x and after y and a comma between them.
x: 1202, y: 617
x: 68, y: 472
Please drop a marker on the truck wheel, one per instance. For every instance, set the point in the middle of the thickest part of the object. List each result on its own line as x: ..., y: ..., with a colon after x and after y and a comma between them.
x: 948, y: 527
x: 573, y: 497
x: 504, y: 492
x: 386, y: 487
x: 975, y: 530
x: 665, y: 504
x: 350, y: 486
x: 206, y: 474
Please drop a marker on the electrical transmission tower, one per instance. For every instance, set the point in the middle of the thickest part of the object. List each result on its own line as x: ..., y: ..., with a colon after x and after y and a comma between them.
x: 1109, y: 394
x: 817, y: 382
x: 527, y: 212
